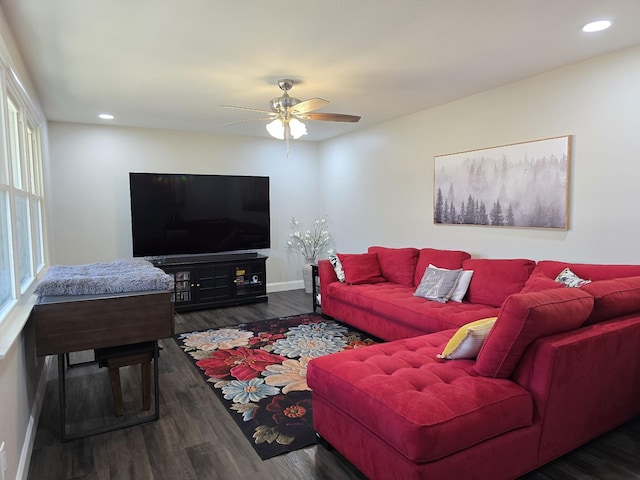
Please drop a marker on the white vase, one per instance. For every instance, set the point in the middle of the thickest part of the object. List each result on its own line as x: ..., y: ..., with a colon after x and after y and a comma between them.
x: 306, y: 274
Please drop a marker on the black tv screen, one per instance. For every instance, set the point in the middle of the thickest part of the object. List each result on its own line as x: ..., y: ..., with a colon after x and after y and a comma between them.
x: 192, y: 214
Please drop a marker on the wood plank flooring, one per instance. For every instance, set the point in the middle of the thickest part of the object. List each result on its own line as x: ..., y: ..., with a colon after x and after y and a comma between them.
x: 195, y: 438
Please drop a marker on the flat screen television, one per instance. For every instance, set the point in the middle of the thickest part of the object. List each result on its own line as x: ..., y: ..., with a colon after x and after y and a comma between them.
x: 173, y: 214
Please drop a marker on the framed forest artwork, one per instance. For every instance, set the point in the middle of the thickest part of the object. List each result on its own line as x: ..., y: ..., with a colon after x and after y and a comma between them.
x: 519, y: 185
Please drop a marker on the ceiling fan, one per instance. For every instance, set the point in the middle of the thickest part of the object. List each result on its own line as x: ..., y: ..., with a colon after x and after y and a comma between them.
x: 287, y: 113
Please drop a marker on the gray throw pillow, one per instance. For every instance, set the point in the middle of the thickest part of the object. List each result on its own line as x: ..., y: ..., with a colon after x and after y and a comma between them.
x: 437, y: 285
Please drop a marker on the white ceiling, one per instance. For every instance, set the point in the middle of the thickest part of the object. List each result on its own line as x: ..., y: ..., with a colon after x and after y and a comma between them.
x: 171, y: 64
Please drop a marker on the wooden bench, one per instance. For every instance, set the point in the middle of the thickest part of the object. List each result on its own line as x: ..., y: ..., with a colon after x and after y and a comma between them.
x: 122, y: 356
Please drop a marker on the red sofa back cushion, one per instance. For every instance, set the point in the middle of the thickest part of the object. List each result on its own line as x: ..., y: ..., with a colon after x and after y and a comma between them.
x: 397, y: 265
x: 538, y: 282
x: 613, y: 298
x: 588, y: 271
x: 360, y: 268
x: 495, y: 279
x: 524, y: 318
x: 449, y: 259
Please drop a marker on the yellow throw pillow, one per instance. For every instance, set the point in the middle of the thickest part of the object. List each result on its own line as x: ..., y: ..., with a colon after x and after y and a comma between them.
x: 466, y: 342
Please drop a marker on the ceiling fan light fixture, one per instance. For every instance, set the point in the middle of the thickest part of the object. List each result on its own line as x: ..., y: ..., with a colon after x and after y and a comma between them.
x: 287, y: 112
x: 276, y: 129
x: 297, y: 128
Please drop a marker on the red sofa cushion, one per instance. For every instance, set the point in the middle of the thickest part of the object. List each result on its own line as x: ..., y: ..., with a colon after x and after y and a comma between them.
x: 588, y: 271
x: 538, y: 282
x: 397, y: 264
x: 449, y: 259
x: 613, y: 298
x: 423, y: 407
x: 495, y: 279
x: 360, y: 268
x: 525, y: 317
x: 396, y: 304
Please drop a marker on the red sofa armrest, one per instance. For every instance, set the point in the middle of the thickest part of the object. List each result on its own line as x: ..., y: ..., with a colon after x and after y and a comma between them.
x: 584, y: 383
x: 327, y: 275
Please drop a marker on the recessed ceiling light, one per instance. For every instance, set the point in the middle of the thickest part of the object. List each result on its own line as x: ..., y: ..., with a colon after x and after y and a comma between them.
x: 106, y: 116
x: 596, y: 26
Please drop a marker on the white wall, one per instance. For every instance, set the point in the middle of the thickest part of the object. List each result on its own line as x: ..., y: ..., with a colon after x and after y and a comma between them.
x: 89, y: 203
x: 379, y: 182
x: 376, y: 184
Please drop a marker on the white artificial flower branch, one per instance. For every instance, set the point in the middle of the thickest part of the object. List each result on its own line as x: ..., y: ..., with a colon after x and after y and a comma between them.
x: 311, y: 242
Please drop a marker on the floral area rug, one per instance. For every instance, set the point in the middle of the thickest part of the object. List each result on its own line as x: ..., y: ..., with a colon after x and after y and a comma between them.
x: 258, y: 370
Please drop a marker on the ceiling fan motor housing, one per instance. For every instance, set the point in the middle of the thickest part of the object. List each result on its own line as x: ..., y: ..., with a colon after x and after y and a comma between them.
x: 283, y: 103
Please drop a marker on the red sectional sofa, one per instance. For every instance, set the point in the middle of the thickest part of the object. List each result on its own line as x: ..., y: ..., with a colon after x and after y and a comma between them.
x: 559, y: 367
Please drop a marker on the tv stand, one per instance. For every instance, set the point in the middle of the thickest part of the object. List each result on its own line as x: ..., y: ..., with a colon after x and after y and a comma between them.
x: 216, y: 280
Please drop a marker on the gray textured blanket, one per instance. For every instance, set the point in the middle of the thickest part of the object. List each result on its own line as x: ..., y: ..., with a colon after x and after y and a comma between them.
x: 123, y: 275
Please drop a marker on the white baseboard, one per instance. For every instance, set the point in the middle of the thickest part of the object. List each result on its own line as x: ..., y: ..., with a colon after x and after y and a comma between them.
x: 32, y: 428
x: 284, y: 286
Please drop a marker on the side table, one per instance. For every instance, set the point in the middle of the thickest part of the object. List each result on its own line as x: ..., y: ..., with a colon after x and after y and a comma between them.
x: 315, y: 287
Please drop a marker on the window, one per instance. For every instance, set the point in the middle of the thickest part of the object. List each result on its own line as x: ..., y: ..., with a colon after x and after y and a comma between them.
x: 35, y: 164
x: 36, y: 235
x: 23, y: 241
x: 22, y: 249
x: 6, y: 281
x: 14, y: 143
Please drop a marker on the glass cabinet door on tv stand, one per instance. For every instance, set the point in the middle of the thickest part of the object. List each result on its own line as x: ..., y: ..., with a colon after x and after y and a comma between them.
x: 182, y: 288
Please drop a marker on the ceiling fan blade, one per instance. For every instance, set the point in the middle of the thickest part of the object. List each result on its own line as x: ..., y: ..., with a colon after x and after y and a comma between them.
x: 331, y: 117
x: 248, y: 120
x: 246, y: 108
x: 309, y: 105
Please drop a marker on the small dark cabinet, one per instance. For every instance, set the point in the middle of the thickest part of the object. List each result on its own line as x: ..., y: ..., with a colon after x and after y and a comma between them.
x: 216, y: 281
x: 315, y: 287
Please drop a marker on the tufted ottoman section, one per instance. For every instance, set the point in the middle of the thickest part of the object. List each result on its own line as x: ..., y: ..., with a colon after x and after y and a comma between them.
x: 425, y: 408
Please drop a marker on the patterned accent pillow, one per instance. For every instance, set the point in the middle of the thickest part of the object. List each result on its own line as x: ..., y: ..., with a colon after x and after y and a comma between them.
x: 337, y: 266
x: 570, y: 279
x: 468, y: 340
x: 437, y: 285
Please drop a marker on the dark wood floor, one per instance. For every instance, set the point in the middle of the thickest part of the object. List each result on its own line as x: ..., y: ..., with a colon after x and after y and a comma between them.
x: 195, y: 438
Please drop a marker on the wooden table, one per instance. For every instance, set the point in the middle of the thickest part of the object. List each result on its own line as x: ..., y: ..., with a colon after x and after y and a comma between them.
x: 85, y: 322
